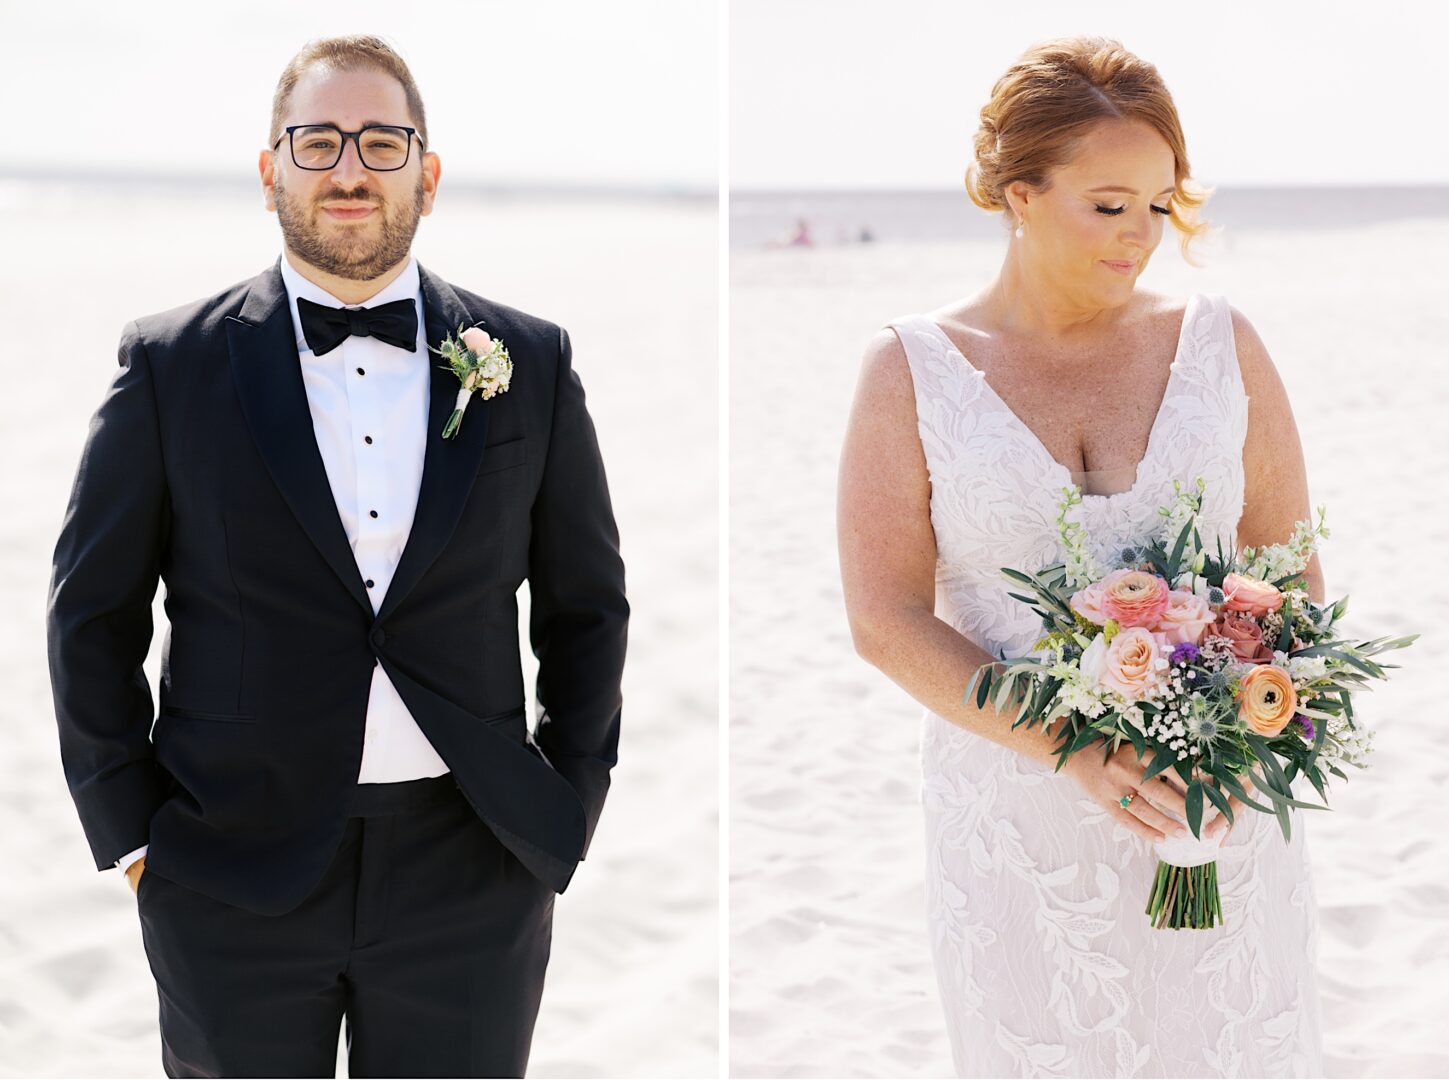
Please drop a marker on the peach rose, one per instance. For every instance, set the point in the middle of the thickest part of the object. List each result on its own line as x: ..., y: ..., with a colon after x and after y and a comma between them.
x: 1088, y: 604
x: 1267, y: 700
x: 1244, y: 635
x: 1130, y: 665
x: 477, y: 340
x: 1134, y: 597
x: 1185, y: 619
x: 1250, y: 595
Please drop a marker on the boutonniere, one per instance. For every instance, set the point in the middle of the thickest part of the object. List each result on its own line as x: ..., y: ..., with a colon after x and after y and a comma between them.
x: 481, y: 364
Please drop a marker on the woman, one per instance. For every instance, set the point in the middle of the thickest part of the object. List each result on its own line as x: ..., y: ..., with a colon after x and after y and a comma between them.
x: 967, y: 424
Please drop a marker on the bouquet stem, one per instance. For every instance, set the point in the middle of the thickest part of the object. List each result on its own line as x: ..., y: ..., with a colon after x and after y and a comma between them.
x: 1185, y: 897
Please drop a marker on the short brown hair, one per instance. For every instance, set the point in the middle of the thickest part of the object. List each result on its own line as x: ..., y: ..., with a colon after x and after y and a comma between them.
x: 353, y: 52
x: 1046, y: 101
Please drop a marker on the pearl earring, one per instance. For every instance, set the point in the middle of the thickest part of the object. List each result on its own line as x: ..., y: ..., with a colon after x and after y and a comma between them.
x: 1021, y: 230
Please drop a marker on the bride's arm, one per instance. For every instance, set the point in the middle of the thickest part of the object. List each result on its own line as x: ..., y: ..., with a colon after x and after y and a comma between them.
x: 1275, y: 481
x: 1275, y: 494
x: 888, y: 556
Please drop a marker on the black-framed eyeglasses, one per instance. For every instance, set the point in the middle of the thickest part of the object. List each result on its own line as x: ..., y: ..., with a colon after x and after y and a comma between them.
x: 384, y: 148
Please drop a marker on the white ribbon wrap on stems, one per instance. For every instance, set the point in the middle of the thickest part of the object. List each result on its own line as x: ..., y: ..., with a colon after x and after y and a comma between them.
x: 461, y: 402
x: 1189, y: 850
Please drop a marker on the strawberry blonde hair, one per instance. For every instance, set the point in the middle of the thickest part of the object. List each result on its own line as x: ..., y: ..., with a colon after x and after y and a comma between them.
x: 1049, y: 98
x: 354, y: 52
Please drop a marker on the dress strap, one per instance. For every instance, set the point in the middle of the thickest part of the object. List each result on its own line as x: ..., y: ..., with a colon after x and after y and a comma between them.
x: 1210, y: 348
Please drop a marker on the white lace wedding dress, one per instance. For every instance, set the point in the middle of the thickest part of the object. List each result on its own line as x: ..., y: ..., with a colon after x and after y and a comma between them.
x: 1046, y: 961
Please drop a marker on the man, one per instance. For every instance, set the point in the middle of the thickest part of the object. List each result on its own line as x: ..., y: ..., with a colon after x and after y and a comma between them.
x: 340, y: 812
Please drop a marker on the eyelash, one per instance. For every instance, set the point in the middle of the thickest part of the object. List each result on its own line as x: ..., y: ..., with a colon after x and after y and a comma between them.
x: 1113, y: 211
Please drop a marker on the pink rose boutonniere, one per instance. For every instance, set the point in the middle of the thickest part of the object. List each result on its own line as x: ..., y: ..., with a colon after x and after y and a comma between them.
x: 481, y: 364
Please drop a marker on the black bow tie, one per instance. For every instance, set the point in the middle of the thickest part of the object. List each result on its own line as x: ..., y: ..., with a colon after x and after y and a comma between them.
x: 325, y: 327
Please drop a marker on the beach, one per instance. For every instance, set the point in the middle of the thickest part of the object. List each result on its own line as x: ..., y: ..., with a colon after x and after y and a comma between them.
x: 632, y: 986
x: 830, y: 972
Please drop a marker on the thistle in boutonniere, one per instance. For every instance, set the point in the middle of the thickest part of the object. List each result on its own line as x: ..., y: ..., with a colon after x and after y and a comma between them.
x: 481, y: 363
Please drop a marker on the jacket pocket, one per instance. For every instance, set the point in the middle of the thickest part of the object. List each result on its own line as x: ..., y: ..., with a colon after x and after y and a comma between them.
x: 504, y: 455
x: 513, y: 723
x: 218, y: 718
x: 216, y: 762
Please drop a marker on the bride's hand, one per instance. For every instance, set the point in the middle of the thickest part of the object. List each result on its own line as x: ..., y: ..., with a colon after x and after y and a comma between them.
x: 1153, y: 801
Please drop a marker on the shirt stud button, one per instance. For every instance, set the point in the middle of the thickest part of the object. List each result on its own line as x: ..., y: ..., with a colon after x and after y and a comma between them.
x: 361, y: 372
x: 367, y: 439
x: 369, y: 583
x: 373, y: 513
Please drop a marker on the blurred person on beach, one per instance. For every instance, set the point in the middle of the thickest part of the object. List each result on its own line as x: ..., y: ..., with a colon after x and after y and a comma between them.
x: 341, y: 813
x: 968, y: 423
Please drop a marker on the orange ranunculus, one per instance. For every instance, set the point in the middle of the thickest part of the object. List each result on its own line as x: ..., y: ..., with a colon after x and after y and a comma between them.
x: 1267, y: 700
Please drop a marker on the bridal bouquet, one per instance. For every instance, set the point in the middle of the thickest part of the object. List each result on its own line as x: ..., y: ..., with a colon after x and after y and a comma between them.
x: 1218, y: 666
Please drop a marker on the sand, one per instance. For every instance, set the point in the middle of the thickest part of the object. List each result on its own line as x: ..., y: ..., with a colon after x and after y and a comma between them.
x: 632, y: 986
x: 830, y: 973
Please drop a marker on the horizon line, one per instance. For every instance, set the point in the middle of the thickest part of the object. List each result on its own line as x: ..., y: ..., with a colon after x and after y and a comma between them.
x: 624, y: 190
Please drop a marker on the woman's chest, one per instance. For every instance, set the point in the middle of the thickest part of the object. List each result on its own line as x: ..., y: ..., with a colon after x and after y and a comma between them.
x: 1089, y: 411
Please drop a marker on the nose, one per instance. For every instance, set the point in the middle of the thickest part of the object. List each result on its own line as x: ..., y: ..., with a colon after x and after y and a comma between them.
x: 350, y: 164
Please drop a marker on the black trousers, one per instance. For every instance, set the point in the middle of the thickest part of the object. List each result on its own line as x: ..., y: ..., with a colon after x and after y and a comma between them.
x: 425, y: 934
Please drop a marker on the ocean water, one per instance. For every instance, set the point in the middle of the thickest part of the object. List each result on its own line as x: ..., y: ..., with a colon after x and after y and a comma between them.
x: 767, y: 218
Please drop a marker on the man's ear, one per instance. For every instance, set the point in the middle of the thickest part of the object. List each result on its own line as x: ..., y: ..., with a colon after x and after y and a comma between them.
x: 432, y: 170
x: 266, y: 167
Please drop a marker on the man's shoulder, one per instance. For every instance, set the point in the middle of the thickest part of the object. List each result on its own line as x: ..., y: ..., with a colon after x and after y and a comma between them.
x: 196, y: 318
x: 503, y: 321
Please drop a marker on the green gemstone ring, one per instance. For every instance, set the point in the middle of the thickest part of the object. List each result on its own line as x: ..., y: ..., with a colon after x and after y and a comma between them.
x: 1126, y: 800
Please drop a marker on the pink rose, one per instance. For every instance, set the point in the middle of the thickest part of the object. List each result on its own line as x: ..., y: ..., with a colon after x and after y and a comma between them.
x: 1088, y: 603
x: 477, y: 340
x: 1130, y: 666
x: 1134, y: 597
x: 1185, y: 619
x: 1250, y: 595
x: 1244, y: 635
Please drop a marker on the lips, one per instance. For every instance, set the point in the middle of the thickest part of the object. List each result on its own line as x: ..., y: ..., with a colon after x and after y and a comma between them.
x: 349, y: 213
x: 1120, y: 267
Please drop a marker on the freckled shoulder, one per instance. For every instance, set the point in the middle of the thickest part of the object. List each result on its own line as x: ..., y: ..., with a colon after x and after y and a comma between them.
x: 1261, y: 381
x: 885, y: 369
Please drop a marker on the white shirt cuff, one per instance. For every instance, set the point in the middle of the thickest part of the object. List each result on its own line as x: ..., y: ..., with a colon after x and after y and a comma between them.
x: 125, y: 861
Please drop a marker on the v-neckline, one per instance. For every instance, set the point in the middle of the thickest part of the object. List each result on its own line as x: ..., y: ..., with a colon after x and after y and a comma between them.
x: 1173, y: 369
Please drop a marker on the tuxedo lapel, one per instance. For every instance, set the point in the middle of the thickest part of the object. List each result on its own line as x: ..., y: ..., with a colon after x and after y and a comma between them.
x: 268, y: 375
x: 449, y: 465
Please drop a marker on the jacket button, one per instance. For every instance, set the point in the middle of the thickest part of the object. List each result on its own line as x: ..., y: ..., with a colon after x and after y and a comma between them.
x: 379, y: 637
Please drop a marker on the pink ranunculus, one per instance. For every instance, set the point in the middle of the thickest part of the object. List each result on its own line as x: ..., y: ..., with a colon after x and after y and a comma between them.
x: 1130, y: 666
x: 477, y: 340
x: 1244, y: 636
x: 1134, y: 597
x: 1185, y: 619
x: 1250, y: 595
x: 1088, y: 604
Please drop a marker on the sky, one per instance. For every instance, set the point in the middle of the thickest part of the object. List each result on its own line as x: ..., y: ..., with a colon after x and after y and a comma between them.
x: 885, y: 94
x: 559, y: 92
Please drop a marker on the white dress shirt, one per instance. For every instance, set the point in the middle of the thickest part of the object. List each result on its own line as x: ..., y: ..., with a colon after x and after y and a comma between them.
x: 369, y: 404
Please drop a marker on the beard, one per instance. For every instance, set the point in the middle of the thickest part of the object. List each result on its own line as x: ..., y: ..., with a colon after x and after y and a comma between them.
x: 360, y: 252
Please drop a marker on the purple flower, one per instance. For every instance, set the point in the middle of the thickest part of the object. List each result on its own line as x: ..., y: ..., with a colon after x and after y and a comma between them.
x: 1305, y: 724
x: 1185, y: 653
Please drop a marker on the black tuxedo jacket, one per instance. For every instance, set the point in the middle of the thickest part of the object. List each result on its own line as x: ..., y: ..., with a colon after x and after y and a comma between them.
x: 201, y: 468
